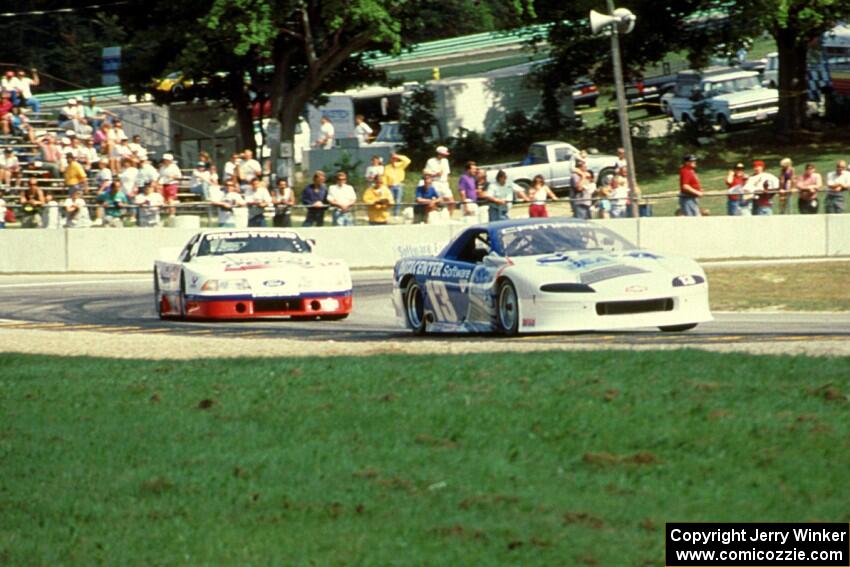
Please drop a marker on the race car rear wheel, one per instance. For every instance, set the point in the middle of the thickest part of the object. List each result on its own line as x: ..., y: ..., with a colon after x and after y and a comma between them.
x: 157, y: 297
x: 678, y: 328
x: 508, y: 309
x: 414, y: 307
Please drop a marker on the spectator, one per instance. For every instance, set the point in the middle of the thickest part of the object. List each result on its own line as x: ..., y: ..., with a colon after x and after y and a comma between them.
x: 149, y: 201
x: 375, y: 169
x: 129, y: 177
x: 147, y: 173
x: 32, y: 200
x: 837, y: 182
x: 500, y: 195
x: 378, y: 199
x: 169, y: 178
x: 257, y: 198
x: 582, y: 191
x: 201, y: 181
x: 315, y: 197
x: 3, y: 210
x: 283, y: 200
x: 9, y: 84
x: 621, y: 159
x: 71, y: 115
x: 118, y: 130
x: 76, y: 211
x: 808, y: 184
x: 394, y: 178
x: 25, y: 85
x: 20, y: 125
x: 538, y: 193
x: 602, y: 197
x: 113, y: 202
x: 249, y: 169
x: 428, y: 200
x: 95, y: 116
x: 327, y: 134
x: 89, y: 152
x: 11, y: 168
x: 50, y: 154
x: 231, y: 168
x: 139, y: 151
x: 689, y: 187
x: 735, y: 180
x: 440, y: 171
x: 50, y: 217
x: 362, y: 131
x: 75, y: 176
x: 6, y: 106
x: 341, y: 197
x: 468, y: 189
x: 232, y: 211
x: 620, y: 196
x: 763, y: 186
x: 786, y: 184
x: 104, y: 176
x: 102, y: 138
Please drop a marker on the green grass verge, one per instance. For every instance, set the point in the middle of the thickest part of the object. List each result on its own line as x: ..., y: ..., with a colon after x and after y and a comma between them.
x: 543, y: 459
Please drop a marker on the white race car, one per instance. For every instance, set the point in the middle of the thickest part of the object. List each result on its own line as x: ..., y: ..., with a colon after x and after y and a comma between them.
x: 547, y: 275
x: 249, y: 273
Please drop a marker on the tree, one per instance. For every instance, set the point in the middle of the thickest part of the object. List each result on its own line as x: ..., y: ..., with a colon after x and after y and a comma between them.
x: 286, y: 51
x: 795, y: 25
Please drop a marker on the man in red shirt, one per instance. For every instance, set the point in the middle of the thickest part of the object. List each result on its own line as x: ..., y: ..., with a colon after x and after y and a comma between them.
x: 689, y: 187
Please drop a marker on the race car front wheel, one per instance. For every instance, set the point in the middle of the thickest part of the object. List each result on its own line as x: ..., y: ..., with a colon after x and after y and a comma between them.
x: 414, y: 307
x: 508, y: 305
x: 156, y: 295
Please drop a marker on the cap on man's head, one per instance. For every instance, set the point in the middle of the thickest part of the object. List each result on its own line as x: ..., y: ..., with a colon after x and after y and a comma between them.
x: 689, y: 157
x: 739, y: 165
x: 442, y: 150
x: 758, y: 163
x: 167, y: 157
x: 72, y: 101
x: 202, y: 164
x: 70, y: 133
x: 8, y: 151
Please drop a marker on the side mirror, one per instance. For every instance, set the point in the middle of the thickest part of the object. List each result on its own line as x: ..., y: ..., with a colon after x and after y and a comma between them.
x: 311, y: 242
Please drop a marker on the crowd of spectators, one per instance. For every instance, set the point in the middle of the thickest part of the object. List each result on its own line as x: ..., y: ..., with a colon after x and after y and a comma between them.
x: 754, y: 194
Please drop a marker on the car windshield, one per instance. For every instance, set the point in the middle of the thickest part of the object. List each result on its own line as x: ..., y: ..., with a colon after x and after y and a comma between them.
x: 731, y: 86
x: 219, y: 244
x: 549, y: 238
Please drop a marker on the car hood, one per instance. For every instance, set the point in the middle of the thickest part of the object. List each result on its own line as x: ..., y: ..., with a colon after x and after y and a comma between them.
x: 591, y: 267
x: 750, y: 96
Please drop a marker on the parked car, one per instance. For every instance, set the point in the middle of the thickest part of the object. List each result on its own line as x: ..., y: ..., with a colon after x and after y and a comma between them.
x: 555, y: 161
x: 726, y: 95
x: 770, y: 77
x: 545, y: 276
x: 585, y: 93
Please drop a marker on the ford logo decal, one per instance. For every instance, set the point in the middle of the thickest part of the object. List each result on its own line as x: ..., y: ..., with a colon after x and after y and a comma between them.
x: 274, y: 283
x: 636, y: 289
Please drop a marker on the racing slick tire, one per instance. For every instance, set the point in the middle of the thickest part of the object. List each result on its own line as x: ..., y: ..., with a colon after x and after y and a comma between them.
x: 157, y: 297
x: 678, y: 328
x: 507, y: 306
x: 414, y: 307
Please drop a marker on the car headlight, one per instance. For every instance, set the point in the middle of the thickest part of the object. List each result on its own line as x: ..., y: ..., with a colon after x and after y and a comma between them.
x: 225, y: 285
x: 682, y: 281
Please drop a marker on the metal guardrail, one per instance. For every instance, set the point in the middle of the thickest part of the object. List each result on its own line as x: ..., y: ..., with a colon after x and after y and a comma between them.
x: 296, y: 213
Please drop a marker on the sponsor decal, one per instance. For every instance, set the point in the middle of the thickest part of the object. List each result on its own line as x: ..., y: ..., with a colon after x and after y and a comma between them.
x: 194, y: 281
x: 529, y: 322
x: 643, y: 255
x: 274, y: 283
x: 636, y: 289
x: 250, y: 234
x: 410, y: 250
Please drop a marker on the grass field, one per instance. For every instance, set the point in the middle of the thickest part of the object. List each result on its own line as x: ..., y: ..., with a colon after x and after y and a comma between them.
x: 792, y: 287
x: 547, y: 459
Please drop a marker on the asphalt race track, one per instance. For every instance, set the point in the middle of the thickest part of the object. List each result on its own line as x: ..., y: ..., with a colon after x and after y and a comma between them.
x: 124, y: 304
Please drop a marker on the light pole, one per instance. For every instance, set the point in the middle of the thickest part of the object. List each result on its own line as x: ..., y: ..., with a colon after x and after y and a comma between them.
x: 620, y: 21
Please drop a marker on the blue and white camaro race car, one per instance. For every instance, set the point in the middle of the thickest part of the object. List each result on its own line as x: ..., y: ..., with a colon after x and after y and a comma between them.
x: 547, y: 275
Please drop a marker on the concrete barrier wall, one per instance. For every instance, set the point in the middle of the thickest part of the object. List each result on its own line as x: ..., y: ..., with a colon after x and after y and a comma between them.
x: 135, y: 249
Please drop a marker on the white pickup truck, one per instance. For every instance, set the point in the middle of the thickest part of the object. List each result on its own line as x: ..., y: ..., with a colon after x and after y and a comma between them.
x: 728, y: 97
x: 555, y: 161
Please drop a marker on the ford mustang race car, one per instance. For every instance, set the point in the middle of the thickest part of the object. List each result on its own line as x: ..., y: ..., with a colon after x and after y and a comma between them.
x: 547, y: 275
x: 248, y: 273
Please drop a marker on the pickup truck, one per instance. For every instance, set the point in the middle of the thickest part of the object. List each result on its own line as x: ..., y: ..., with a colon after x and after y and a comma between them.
x: 727, y: 96
x: 555, y: 161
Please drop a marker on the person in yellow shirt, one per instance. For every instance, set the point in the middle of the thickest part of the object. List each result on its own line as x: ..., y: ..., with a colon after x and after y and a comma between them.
x: 379, y: 199
x: 394, y: 179
x: 75, y: 175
